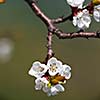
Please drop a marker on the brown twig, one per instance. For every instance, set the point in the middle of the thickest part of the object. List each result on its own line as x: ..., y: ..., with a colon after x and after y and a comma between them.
x: 52, y: 28
x: 87, y: 35
x: 49, y: 47
x: 62, y: 19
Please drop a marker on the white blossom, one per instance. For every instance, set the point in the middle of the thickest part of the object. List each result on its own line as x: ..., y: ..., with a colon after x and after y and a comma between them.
x: 75, y: 3
x: 82, y: 20
x: 54, y: 66
x: 66, y: 71
x: 40, y: 83
x: 46, y: 89
x: 38, y: 69
x: 96, y: 13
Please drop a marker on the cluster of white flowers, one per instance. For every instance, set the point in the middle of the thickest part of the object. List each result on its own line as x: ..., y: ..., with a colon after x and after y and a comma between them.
x: 51, y: 76
x: 83, y: 19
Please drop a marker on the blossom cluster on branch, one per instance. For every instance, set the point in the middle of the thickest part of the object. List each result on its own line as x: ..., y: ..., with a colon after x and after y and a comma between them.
x: 52, y: 74
x: 82, y: 14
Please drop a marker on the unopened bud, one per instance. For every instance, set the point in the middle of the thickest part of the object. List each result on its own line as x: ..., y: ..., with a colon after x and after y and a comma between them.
x: 96, y: 2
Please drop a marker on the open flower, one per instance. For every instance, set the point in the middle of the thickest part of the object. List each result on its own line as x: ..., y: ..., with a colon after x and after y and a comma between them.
x: 54, y: 66
x: 66, y: 71
x: 82, y: 20
x: 96, y: 13
x: 75, y: 3
x: 38, y: 69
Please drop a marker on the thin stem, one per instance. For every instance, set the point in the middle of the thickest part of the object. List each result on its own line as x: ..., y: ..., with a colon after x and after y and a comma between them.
x: 87, y: 35
x: 49, y: 47
x: 49, y: 43
x: 62, y: 19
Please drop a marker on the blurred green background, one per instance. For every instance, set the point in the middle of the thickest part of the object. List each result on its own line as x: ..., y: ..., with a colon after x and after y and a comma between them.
x: 28, y: 35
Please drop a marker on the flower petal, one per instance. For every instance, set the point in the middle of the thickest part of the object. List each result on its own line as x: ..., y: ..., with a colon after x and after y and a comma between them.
x: 37, y: 69
x: 59, y: 87
x: 67, y: 68
x: 54, y: 66
x: 51, y: 60
x: 54, y: 91
x: 38, y: 86
x: 66, y: 71
x: 41, y: 80
x: 59, y: 64
x: 46, y: 89
x: 96, y: 13
x: 74, y: 20
x: 75, y: 3
x: 86, y: 20
x: 68, y: 75
x: 80, y: 24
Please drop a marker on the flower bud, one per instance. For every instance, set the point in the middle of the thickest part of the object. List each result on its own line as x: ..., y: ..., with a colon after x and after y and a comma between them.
x: 96, y: 2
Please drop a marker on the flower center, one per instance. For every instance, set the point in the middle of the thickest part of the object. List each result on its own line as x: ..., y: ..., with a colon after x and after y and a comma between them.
x: 53, y: 67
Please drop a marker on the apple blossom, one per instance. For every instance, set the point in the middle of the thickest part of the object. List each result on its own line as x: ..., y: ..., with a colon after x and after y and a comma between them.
x: 82, y: 20
x: 96, y: 13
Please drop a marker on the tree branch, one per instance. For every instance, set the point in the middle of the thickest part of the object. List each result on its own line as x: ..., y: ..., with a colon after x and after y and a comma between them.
x: 89, y: 7
x: 50, y: 23
x: 62, y: 19
x: 87, y: 35
x: 53, y: 29
x: 49, y: 47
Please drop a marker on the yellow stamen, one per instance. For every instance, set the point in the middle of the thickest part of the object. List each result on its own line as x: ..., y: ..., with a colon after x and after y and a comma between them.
x: 49, y: 84
x: 53, y: 68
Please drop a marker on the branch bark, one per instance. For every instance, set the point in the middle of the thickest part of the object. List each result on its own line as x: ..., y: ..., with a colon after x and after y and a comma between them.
x: 49, y: 47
